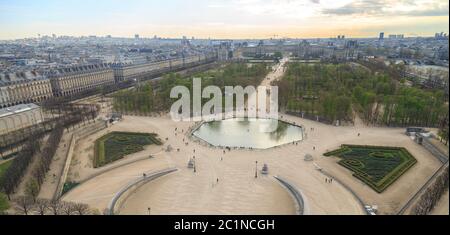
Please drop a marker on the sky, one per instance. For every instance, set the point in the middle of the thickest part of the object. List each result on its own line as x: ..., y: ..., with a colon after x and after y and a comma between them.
x: 222, y: 19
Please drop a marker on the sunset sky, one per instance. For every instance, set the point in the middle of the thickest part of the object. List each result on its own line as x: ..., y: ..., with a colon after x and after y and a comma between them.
x: 222, y: 18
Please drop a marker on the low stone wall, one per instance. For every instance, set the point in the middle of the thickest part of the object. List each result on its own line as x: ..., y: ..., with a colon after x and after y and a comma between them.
x: 65, y: 170
x: 296, y: 194
x: 120, y: 197
x: 86, y: 131
x: 362, y: 204
x: 442, y: 157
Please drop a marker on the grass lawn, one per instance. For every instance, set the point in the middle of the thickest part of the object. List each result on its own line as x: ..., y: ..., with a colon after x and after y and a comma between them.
x: 4, y: 205
x: 115, y: 145
x: 376, y: 166
x: 3, y: 167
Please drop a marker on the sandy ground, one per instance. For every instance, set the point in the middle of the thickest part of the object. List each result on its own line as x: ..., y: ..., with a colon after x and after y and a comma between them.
x: 442, y: 207
x: 238, y: 192
x: 236, y: 172
x: 52, y: 177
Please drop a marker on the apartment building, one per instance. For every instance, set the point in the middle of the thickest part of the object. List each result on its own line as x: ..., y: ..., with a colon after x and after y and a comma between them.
x: 23, y: 87
x: 73, y: 80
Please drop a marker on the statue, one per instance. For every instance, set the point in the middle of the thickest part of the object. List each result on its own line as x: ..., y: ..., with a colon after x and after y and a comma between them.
x: 265, y: 170
x: 191, y: 163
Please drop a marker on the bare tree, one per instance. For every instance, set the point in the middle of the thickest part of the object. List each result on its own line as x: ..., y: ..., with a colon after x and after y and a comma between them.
x: 67, y: 208
x: 24, y: 204
x: 55, y: 207
x: 42, y: 205
x: 81, y: 209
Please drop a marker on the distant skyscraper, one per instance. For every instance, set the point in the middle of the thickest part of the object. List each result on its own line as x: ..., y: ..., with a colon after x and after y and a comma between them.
x: 381, y: 36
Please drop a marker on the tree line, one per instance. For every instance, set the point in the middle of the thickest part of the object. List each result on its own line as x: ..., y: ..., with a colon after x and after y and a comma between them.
x: 42, y: 166
x: 432, y: 195
x: 63, y: 114
x: 15, y: 172
x: 155, y: 97
x: 26, y: 205
x: 335, y: 91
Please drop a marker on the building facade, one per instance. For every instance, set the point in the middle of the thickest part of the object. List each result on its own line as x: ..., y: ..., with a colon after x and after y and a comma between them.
x: 20, y: 116
x: 73, y: 80
x: 23, y: 87
x: 125, y: 72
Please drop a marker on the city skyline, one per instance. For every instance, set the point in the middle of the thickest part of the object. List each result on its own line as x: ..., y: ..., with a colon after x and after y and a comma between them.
x: 219, y: 19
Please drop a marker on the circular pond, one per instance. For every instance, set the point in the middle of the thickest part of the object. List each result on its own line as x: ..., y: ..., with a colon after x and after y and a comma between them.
x: 249, y: 133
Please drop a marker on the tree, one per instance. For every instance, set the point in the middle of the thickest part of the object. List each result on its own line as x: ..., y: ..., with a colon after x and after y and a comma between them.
x: 55, y: 207
x: 32, y: 189
x: 41, y: 206
x: 13, y: 175
x: 81, y: 209
x: 24, y: 204
x: 67, y: 208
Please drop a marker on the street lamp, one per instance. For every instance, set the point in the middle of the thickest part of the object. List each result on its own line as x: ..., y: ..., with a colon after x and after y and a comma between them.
x: 256, y: 170
x: 195, y: 166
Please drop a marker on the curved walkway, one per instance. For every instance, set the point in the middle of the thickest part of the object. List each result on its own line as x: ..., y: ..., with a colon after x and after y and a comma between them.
x: 361, y: 202
x: 301, y: 206
x: 136, y: 183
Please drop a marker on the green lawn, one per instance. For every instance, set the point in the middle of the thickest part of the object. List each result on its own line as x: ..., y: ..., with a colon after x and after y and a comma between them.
x: 3, y: 167
x: 4, y: 205
x: 115, y: 145
x: 376, y: 166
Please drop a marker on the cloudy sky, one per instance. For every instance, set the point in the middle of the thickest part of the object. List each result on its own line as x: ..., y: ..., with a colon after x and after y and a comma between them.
x: 223, y: 18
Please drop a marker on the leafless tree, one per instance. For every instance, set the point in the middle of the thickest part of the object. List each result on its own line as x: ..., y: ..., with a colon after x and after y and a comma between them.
x: 24, y: 204
x: 81, y: 209
x: 42, y: 205
x: 431, y: 196
x: 67, y: 208
x: 55, y: 207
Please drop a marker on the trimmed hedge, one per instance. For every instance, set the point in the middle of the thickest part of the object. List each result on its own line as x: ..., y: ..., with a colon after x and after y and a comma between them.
x: 115, y: 145
x: 376, y: 166
x: 69, y: 186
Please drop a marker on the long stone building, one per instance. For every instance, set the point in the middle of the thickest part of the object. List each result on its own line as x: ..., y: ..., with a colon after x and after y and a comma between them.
x: 124, y: 72
x: 303, y: 50
x: 23, y: 87
x: 33, y: 87
x: 73, y: 80
x: 19, y: 116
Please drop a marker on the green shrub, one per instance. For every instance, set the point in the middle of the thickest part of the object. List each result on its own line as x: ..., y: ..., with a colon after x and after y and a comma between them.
x: 376, y: 166
x: 69, y: 186
x: 114, y: 146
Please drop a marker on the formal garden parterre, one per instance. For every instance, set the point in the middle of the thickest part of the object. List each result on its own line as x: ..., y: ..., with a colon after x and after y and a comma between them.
x: 115, y: 145
x: 376, y: 166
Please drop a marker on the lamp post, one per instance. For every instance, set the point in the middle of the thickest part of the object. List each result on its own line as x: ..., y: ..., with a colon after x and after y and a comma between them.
x: 195, y: 166
x: 256, y: 170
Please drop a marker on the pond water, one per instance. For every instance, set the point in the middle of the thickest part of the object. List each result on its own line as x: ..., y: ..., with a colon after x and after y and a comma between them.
x: 249, y: 133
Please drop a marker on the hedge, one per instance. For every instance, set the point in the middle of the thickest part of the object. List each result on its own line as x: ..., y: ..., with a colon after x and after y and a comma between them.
x: 370, y: 163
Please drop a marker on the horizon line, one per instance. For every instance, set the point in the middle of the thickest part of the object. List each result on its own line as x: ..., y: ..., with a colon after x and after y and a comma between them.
x: 217, y: 38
